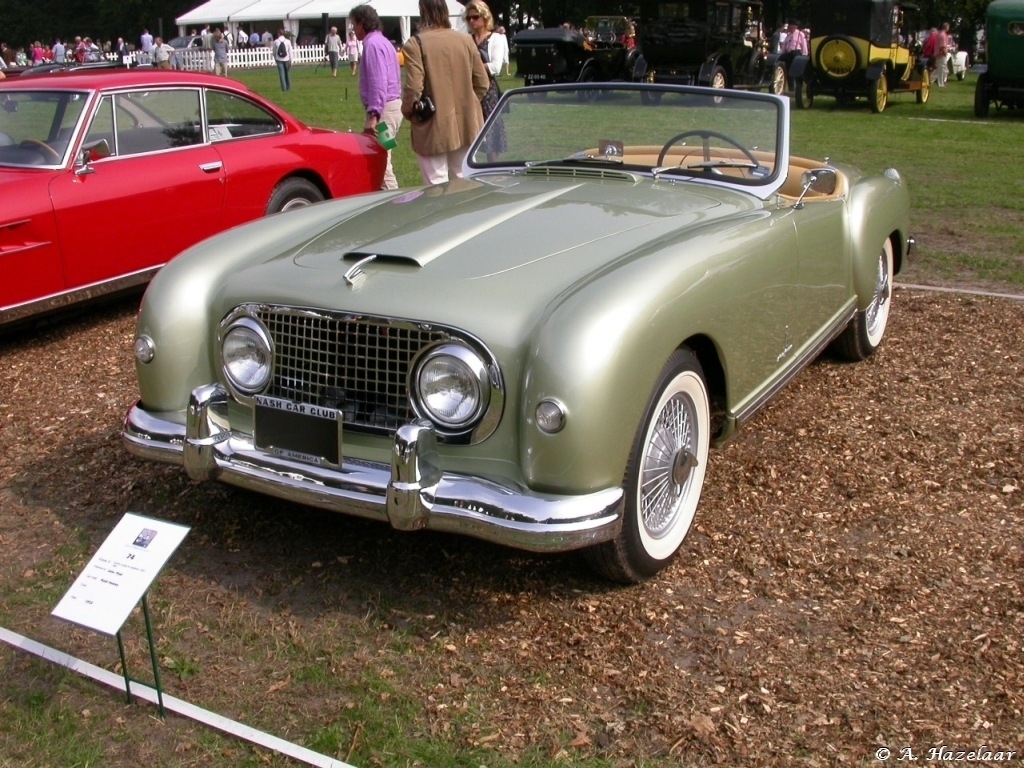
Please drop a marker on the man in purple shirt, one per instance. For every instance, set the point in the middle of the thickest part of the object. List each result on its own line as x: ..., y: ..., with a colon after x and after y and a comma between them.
x: 380, y: 83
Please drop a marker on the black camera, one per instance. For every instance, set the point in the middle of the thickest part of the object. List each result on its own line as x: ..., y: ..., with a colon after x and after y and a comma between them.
x: 423, y: 109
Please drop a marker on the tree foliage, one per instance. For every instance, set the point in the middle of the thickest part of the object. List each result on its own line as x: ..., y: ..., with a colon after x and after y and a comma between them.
x: 23, y: 22
x: 46, y: 20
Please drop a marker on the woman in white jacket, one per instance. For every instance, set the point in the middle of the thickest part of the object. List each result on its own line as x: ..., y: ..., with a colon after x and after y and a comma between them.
x: 480, y: 22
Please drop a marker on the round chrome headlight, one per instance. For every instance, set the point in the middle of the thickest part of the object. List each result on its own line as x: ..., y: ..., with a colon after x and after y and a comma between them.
x: 452, y: 386
x: 247, y: 355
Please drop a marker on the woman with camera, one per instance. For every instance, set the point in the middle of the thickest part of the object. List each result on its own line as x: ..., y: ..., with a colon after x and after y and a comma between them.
x: 444, y: 82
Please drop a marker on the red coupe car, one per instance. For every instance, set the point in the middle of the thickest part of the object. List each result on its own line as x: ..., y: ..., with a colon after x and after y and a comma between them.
x: 104, y: 177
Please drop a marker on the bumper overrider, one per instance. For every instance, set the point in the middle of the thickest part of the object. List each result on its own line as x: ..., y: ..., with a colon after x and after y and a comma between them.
x: 413, y: 493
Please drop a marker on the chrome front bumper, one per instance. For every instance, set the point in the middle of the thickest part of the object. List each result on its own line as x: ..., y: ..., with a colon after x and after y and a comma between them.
x: 412, y: 493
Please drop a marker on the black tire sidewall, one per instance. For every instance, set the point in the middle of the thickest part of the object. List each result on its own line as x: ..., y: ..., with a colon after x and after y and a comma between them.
x: 292, y: 189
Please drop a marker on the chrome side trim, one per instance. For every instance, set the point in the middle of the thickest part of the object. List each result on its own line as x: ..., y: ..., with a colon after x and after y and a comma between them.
x: 412, y: 493
x: 809, y: 354
x: 58, y: 301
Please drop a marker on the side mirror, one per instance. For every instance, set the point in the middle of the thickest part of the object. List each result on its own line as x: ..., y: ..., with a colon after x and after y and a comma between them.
x: 94, y: 150
x: 820, y: 181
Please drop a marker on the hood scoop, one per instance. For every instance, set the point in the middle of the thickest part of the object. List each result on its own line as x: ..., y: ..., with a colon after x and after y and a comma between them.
x: 426, y: 238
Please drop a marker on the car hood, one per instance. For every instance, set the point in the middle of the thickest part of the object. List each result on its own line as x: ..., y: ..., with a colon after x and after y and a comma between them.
x: 456, y: 250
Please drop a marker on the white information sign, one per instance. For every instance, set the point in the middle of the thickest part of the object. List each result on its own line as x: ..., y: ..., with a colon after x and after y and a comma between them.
x: 120, y: 572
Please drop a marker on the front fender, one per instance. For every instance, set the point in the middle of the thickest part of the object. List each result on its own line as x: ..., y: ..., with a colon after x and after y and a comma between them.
x: 708, y: 67
x: 801, y: 68
x: 639, y: 68
x: 875, y: 71
x: 599, y: 350
x: 589, y: 71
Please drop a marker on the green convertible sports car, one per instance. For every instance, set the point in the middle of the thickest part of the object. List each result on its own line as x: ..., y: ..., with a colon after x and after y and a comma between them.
x: 541, y: 353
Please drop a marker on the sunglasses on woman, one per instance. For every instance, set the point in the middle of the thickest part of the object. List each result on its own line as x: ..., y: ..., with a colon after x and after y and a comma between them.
x: 472, y: 18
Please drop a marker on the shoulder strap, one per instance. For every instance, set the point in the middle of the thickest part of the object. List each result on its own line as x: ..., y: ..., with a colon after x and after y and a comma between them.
x: 423, y: 58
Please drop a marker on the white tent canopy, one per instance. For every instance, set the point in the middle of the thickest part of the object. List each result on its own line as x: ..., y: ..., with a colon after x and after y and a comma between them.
x: 272, y: 10
x: 212, y: 12
x: 290, y: 12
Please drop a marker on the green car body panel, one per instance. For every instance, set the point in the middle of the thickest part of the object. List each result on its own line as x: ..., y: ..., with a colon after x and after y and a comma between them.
x: 642, y: 290
x: 579, y: 287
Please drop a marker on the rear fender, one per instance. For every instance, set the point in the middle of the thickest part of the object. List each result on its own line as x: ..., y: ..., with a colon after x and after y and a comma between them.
x: 879, y: 208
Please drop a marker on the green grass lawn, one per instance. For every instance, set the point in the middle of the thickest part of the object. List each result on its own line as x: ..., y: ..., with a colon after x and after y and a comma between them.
x: 967, y: 192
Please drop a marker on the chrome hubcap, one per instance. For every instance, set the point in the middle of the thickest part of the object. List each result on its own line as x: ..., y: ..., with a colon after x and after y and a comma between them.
x: 883, y: 292
x: 668, y: 465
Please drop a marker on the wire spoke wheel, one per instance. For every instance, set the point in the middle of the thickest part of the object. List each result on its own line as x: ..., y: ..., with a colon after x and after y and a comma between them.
x: 877, y: 314
x: 665, y: 475
x: 878, y: 93
x: 863, y: 335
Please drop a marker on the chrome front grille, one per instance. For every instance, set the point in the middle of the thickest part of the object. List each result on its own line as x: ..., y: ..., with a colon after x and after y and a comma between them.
x: 358, y: 365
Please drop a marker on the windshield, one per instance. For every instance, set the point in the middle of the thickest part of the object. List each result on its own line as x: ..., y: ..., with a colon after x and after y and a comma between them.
x: 727, y: 137
x: 36, y: 126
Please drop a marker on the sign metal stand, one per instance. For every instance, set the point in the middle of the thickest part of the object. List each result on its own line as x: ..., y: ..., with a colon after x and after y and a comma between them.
x: 128, y: 680
x: 118, y: 578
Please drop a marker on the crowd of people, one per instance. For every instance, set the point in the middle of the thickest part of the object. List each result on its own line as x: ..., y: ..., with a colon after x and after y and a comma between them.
x: 451, y: 81
x: 80, y: 49
x: 149, y: 49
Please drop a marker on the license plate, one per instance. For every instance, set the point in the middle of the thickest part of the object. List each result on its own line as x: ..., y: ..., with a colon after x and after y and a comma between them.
x: 299, y: 431
x: 534, y: 78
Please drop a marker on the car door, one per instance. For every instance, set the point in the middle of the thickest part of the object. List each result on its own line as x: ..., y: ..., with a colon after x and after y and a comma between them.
x: 823, y: 265
x: 245, y: 135
x: 152, y: 187
x: 30, y: 250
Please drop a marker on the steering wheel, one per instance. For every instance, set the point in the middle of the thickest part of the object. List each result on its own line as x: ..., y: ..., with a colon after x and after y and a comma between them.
x: 48, y: 152
x: 705, y: 135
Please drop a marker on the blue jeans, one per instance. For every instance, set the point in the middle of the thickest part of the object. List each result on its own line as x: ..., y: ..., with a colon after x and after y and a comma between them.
x: 284, y: 69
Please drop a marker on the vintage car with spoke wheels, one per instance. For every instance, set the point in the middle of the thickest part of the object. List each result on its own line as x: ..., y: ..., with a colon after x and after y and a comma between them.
x: 603, y: 50
x: 717, y: 43
x: 857, y: 51
x: 541, y: 354
x: 105, y: 176
x: 1001, y: 77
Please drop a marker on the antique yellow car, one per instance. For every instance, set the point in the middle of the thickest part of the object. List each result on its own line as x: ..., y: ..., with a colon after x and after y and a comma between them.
x: 861, y: 49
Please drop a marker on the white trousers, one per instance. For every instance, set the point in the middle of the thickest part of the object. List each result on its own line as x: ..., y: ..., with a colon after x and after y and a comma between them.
x: 437, y: 169
x: 392, y: 117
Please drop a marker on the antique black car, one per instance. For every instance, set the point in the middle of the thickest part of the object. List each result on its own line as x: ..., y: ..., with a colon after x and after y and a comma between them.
x: 707, y: 42
x: 860, y: 48
x: 1001, y: 81
x: 603, y: 51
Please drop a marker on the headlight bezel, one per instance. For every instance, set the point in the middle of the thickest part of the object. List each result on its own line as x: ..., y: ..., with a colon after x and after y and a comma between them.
x: 247, y: 323
x: 481, y: 370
